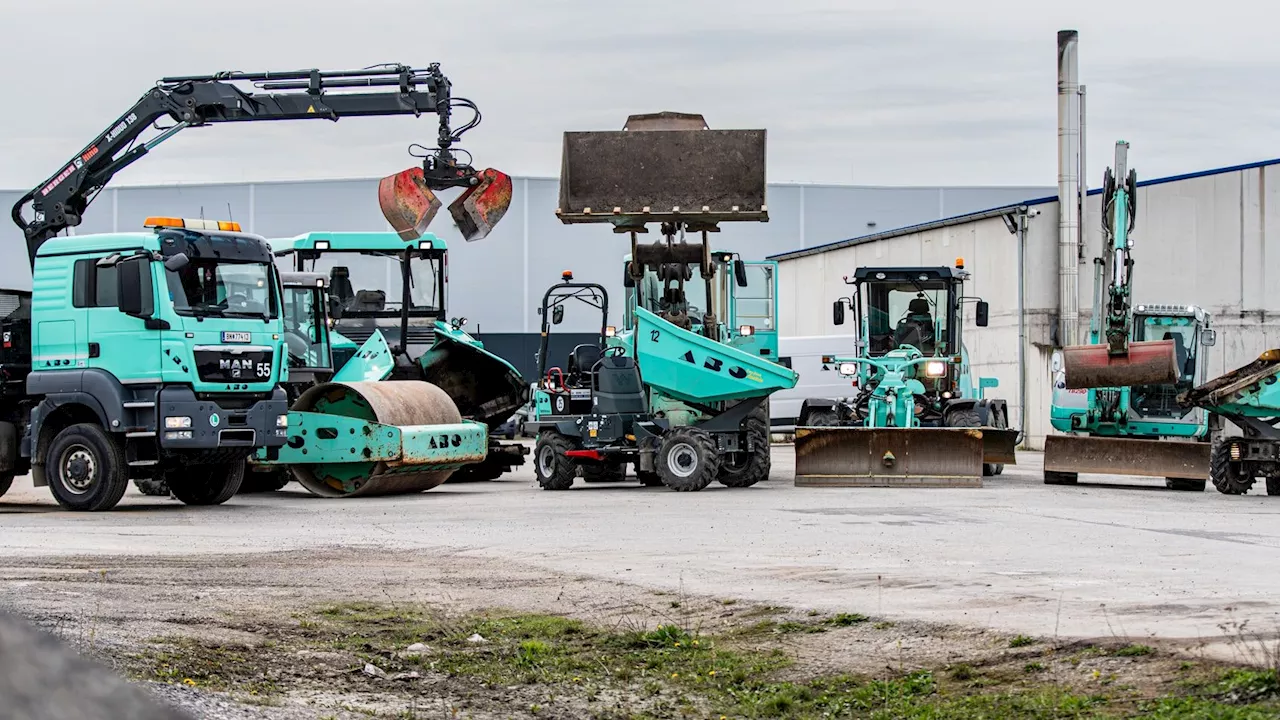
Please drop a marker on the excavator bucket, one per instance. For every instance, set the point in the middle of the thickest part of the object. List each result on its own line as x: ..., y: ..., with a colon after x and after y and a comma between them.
x: 410, y: 206
x: 1075, y: 454
x: 889, y: 457
x: 1151, y: 362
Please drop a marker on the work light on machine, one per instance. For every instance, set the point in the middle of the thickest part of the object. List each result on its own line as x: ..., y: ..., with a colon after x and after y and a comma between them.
x: 848, y: 369
x: 610, y: 331
x: 746, y: 330
x: 191, y: 224
x: 935, y: 369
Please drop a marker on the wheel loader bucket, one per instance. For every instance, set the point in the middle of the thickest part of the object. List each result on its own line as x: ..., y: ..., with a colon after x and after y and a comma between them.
x: 889, y: 457
x: 1126, y: 456
x: 1148, y: 363
x: 410, y: 206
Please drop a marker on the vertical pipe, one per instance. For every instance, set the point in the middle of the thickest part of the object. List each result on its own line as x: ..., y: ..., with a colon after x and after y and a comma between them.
x: 1084, y: 181
x: 1068, y: 187
x: 1022, y: 323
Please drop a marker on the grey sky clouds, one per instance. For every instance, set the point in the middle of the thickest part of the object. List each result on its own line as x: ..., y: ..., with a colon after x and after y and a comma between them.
x: 896, y: 93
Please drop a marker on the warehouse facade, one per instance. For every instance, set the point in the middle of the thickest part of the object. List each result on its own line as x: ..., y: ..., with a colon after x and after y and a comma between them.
x: 1210, y: 239
x: 497, y: 283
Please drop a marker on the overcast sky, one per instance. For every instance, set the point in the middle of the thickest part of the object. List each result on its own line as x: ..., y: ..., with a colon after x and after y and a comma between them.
x: 879, y: 93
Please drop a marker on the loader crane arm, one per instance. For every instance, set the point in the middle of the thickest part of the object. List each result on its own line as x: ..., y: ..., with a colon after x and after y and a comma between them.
x: 60, y: 201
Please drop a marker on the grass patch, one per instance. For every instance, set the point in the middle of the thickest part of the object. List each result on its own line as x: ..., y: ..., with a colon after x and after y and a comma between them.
x: 847, y: 619
x: 1134, y: 651
x: 1021, y: 641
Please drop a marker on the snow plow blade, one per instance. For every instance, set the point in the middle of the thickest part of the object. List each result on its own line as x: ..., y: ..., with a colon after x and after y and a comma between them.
x: 410, y: 206
x: 889, y: 457
x: 1126, y: 456
x: 1148, y: 363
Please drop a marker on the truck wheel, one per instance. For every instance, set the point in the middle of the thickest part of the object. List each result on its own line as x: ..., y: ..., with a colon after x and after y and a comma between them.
x: 553, y: 470
x: 969, y: 418
x: 687, y: 460
x: 603, y: 472
x: 749, y: 468
x: 1230, y: 478
x: 155, y: 487
x: 1273, y: 485
x: 207, y: 484
x: 1185, y: 484
x: 86, y: 469
x: 6, y: 481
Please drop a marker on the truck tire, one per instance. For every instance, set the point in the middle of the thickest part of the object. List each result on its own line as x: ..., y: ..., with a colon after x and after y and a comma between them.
x: 207, y: 484
x: 969, y: 418
x: 751, y: 467
x: 553, y: 470
x: 687, y: 460
x: 86, y: 469
x: 1230, y: 478
x: 6, y: 481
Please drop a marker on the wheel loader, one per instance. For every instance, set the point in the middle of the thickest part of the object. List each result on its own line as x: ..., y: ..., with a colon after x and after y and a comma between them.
x: 915, y: 418
x: 1115, y: 399
x: 687, y: 381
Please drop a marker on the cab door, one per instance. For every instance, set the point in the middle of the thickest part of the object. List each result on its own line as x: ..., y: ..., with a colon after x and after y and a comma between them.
x: 756, y: 305
x: 118, y: 343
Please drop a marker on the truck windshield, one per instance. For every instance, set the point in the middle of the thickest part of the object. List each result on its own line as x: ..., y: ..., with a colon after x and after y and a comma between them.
x: 908, y: 313
x: 210, y: 287
x: 370, y: 281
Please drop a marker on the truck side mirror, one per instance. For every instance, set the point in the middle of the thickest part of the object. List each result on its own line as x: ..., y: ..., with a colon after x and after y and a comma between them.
x: 837, y: 312
x: 1208, y: 337
x: 740, y: 272
x: 981, y: 312
x: 177, y: 262
x: 133, y: 287
x: 557, y: 315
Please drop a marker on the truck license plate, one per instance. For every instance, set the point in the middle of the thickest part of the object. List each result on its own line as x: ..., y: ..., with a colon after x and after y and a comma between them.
x: 231, y: 336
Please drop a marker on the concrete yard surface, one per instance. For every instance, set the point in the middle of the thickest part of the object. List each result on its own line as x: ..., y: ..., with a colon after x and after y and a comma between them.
x: 1119, y: 558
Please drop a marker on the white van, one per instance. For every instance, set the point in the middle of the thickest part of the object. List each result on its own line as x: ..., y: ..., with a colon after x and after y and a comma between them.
x: 804, y: 355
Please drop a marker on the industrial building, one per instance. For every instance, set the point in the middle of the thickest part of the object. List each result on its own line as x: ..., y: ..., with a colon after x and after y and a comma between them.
x: 497, y: 283
x: 1208, y: 238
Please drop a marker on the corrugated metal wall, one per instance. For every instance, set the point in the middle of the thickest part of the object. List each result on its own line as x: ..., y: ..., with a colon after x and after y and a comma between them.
x: 1211, y: 240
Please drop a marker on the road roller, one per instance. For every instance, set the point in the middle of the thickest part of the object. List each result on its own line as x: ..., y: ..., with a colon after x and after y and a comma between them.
x: 1116, y: 398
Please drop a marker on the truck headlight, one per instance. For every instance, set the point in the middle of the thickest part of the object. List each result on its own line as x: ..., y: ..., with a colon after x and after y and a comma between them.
x: 935, y: 369
x: 848, y: 369
x: 282, y: 421
x: 177, y: 435
x: 177, y: 422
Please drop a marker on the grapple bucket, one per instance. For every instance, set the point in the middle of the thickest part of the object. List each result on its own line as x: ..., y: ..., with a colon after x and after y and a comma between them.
x: 662, y: 167
x: 1126, y: 456
x: 1151, y: 362
x: 889, y: 457
x: 410, y: 206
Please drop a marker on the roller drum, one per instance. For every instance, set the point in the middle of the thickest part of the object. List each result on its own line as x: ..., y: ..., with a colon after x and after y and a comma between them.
x: 391, y: 402
x: 1148, y: 363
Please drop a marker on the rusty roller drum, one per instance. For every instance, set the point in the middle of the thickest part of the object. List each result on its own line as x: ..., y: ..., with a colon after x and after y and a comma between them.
x: 391, y: 402
x: 1148, y: 363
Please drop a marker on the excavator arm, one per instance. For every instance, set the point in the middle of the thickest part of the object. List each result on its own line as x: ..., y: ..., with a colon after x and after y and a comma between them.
x: 407, y: 198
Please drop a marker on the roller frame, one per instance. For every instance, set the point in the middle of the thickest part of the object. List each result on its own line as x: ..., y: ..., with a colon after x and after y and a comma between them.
x: 320, y: 438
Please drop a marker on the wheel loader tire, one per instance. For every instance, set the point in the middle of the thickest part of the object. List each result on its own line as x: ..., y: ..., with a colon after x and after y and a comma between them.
x: 1060, y: 478
x: 1273, y: 485
x: 823, y: 418
x: 86, y: 469
x: 1228, y: 477
x: 687, y: 460
x: 969, y: 418
x: 6, y: 481
x: 752, y: 467
x: 1185, y: 485
x: 154, y: 487
x: 207, y: 484
x: 603, y: 472
x: 553, y: 470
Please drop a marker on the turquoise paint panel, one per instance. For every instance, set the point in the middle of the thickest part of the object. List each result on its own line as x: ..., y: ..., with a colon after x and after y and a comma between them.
x: 371, y: 363
x: 339, y: 341
x: 692, y: 368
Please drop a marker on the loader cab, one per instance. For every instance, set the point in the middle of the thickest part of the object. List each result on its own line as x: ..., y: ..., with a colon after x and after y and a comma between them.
x: 375, y: 281
x: 908, y: 306
x: 1187, y: 326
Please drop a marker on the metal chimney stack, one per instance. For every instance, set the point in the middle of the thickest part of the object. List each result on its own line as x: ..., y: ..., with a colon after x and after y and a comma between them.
x: 1068, y: 187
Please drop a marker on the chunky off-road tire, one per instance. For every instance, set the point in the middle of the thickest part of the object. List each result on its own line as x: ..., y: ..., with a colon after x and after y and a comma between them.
x: 6, y: 481
x: 1185, y: 484
x: 86, y: 469
x: 747, y: 469
x: 1273, y: 485
x: 553, y: 470
x: 154, y: 487
x: 206, y: 484
x: 687, y: 460
x: 822, y: 418
x: 264, y: 482
x: 1230, y: 478
x: 969, y: 418
x: 1060, y: 478
x: 603, y: 472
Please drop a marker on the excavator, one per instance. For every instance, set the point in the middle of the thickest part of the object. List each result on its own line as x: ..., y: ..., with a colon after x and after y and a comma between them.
x: 423, y: 436
x: 1116, y: 397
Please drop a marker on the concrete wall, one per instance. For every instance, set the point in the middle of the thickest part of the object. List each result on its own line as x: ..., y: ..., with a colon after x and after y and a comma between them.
x: 1210, y: 240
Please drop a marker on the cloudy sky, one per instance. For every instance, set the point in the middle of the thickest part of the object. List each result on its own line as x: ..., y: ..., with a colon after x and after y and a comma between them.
x: 882, y: 93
